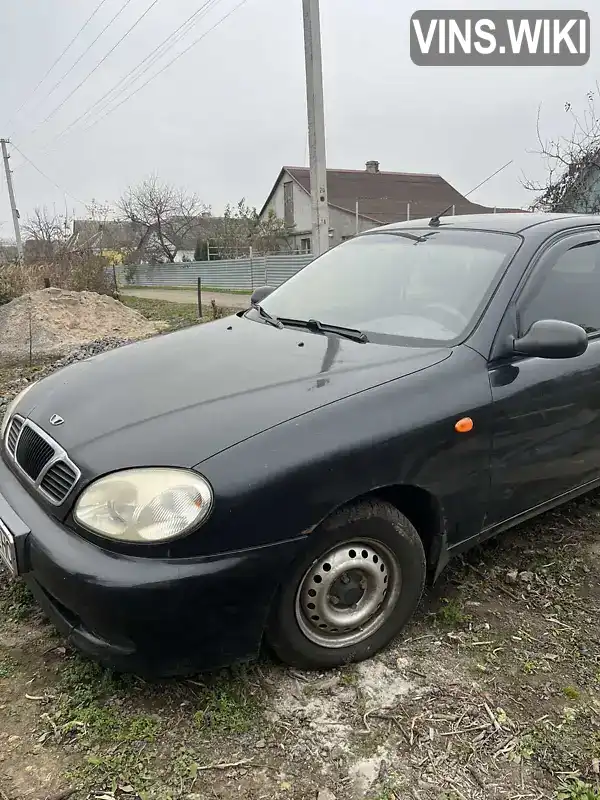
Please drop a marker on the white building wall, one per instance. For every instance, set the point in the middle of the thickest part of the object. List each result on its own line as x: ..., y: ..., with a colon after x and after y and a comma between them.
x: 342, y: 223
x: 302, y: 215
x: 184, y: 255
x: 302, y: 212
x: 276, y: 202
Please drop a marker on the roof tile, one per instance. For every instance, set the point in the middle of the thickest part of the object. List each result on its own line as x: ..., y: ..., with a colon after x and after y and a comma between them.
x: 383, y: 196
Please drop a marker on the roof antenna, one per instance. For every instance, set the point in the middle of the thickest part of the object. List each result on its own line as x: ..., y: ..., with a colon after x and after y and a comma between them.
x: 435, y: 221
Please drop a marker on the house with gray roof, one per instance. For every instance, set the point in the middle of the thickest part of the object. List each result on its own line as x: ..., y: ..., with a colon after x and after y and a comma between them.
x: 362, y: 199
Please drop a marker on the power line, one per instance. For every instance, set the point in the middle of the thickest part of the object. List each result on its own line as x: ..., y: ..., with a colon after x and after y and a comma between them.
x: 168, y: 64
x: 102, y: 60
x: 43, y: 174
x: 60, y: 57
x: 72, y: 67
x: 152, y: 57
x: 173, y: 38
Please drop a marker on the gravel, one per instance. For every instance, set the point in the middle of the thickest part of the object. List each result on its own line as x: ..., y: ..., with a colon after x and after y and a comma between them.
x: 14, y: 380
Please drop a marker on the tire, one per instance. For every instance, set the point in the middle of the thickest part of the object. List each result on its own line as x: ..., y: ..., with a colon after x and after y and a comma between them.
x: 381, y: 556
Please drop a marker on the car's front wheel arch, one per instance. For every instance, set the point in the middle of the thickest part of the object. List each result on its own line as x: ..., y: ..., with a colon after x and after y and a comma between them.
x: 420, y: 506
x: 425, y: 512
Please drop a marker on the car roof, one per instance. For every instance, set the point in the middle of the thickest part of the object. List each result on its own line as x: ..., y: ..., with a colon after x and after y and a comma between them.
x: 506, y: 223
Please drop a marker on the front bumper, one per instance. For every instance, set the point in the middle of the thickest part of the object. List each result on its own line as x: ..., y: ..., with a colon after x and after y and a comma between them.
x: 154, y: 617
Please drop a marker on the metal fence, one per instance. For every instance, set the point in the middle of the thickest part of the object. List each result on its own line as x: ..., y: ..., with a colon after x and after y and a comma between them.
x: 239, y: 273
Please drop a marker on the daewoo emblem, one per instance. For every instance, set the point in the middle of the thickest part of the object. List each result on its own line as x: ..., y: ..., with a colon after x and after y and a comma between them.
x: 55, y: 419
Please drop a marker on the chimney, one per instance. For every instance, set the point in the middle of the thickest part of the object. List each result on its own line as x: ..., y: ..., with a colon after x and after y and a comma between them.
x: 373, y: 167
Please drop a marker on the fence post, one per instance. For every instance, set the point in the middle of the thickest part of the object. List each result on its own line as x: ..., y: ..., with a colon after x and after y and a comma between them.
x: 251, y: 269
x: 266, y: 270
x: 200, y: 297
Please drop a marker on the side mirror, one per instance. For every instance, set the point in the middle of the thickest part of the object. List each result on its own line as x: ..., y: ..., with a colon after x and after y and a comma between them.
x: 258, y: 295
x: 552, y: 338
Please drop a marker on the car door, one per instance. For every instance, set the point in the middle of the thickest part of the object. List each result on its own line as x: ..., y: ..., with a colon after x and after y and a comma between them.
x: 546, y: 429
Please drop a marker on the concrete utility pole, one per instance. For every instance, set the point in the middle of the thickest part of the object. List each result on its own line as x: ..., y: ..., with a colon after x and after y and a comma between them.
x: 11, y: 196
x: 316, y: 126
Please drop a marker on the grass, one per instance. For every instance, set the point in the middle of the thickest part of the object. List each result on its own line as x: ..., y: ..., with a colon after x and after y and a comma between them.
x: 577, y: 790
x: 117, y: 724
x: 530, y: 667
x: 176, y: 315
x: 227, y: 707
x: 92, y: 715
x: 8, y: 667
x: 349, y: 676
x: 191, y: 289
x: 16, y: 601
x: 172, y: 739
x: 451, y: 613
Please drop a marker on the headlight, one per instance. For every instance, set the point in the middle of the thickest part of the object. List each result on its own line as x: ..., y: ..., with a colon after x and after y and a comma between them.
x: 145, y: 505
x: 11, y: 408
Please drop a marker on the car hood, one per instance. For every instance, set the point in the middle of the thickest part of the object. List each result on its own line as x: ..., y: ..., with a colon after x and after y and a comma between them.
x: 180, y: 398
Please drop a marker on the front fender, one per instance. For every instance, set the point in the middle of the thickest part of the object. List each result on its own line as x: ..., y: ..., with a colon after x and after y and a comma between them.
x: 281, y: 483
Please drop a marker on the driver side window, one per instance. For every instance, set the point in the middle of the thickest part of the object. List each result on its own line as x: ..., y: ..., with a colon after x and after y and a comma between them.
x: 568, y: 290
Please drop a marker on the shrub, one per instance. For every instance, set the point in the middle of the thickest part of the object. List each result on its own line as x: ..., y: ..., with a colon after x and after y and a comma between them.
x: 87, y: 273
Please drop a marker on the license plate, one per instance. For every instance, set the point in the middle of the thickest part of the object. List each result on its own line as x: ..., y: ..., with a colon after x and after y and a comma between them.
x: 7, y: 549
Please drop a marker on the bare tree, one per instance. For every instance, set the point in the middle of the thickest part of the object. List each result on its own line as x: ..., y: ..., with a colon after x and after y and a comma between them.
x: 572, y: 162
x: 163, y: 217
x: 100, y: 212
x: 241, y: 228
x: 49, y: 234
x: 55, y: 257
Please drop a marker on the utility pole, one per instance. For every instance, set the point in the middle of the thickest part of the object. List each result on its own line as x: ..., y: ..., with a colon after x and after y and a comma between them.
x: 316, y: 126
x: 11, y: 196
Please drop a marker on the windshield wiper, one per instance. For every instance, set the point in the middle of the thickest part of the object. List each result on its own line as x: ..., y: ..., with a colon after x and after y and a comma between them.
x: 268, y: 318
x: 324, y: 327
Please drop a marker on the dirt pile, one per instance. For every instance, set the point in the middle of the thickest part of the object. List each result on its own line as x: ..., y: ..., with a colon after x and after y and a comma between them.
x: 58, y: 321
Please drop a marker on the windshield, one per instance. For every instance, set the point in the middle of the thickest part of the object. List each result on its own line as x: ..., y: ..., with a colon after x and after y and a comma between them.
x: 430, y: 286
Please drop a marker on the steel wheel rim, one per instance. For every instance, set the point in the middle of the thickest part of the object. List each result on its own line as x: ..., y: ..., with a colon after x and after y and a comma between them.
x: 348, y: 593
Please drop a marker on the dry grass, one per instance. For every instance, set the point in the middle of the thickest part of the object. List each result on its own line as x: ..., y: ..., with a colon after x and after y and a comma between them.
x: 499, y: 701
x: 76, y: 273
x: 493, y: 693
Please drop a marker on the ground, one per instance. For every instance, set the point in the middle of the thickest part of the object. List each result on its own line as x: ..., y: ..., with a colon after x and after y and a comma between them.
x: 236, y: 300
x: 492, y: 692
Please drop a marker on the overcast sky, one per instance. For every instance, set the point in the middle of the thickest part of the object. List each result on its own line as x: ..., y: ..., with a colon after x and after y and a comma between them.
x: 227, y: 115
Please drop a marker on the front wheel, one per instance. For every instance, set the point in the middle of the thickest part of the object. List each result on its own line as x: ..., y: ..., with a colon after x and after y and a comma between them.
x: 352, y: 591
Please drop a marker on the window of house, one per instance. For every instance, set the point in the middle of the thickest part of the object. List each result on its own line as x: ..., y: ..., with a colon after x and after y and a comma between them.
x: 568, y: 290
x: 288, y: 203
x: 305, y: 245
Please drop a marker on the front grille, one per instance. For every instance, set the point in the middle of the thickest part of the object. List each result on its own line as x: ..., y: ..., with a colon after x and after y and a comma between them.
x: 13, y: 434
x: 41, y: 460
x: 33, y: 452
x: 58, y: 481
